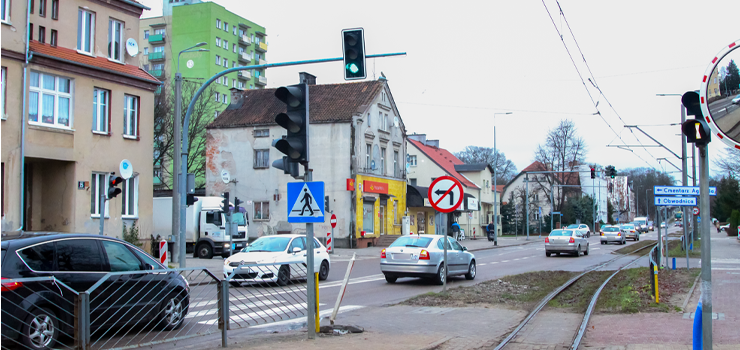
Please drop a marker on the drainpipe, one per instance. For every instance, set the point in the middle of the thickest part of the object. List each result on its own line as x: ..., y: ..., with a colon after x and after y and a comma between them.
x: 28, y: 55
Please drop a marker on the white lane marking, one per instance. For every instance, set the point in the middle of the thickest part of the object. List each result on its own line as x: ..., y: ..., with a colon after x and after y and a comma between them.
x: 300, y: 307
x: 506, y: 260
x: 322, y: 314
x: 481, y: 264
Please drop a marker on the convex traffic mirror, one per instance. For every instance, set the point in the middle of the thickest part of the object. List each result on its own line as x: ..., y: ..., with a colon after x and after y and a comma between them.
x: 720, y: 95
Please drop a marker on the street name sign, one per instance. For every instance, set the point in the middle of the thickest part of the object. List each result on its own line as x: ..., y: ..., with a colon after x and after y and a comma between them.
x: 675, y: 201
x: 681, y: 190
x: 302, y: 203
x: 445, y: 194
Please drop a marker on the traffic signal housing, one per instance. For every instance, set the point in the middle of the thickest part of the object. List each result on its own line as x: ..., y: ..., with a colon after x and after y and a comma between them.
x: 237, y: 201
x: 191, y: 199
x: 353, y: 48
x: 295, y: 121
x: 612, y: 171
x: 697, y: 132
x: 593, y: 173
x: 113, y: 182
x: 225, y: 203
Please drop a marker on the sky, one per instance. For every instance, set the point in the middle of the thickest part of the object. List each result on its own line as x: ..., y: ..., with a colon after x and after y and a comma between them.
x: 469, y: 61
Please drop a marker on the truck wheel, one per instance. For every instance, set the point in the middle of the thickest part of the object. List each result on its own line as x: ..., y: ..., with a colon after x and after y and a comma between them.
x: 205, y: 251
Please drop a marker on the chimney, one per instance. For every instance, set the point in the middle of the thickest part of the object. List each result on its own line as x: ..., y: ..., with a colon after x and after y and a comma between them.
x: 419, y: 137
x: 433, y: 143
x: 307, y: 78
x: 236, y: 95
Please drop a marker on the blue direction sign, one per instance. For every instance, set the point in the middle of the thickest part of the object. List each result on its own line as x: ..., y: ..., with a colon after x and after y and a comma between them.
x: 675, y: 201
x: 306, y: 201
x: 681, y: 190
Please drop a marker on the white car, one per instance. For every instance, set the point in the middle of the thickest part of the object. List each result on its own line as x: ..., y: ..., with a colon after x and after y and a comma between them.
x: 581, y: 228
x: 736, y: 100
x: 288, y: 252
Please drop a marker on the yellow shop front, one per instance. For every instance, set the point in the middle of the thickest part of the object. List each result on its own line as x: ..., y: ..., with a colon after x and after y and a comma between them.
x: 381, y: 203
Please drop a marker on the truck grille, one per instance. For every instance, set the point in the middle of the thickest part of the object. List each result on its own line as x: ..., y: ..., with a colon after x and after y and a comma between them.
x: 240, y: 235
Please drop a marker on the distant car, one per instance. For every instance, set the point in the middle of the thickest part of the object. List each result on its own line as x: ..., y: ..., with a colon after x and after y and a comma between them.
x: 422, y: 256
x: 582, y: 228
x: 651, y: 226
x: 736, y: 100
x: 566, y: 241
x: 662, y: 225
x: 629, y: 231
x: 678, y: 224
x: 612, y: 234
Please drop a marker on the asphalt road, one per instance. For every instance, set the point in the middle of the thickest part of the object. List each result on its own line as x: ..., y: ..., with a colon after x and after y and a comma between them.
x: 727, y: 117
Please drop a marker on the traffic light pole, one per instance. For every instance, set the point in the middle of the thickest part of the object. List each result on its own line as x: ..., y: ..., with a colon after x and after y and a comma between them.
x: 706, y: 252
x: 685, y: 182
x: 312, y: 307
x: 102, y: 211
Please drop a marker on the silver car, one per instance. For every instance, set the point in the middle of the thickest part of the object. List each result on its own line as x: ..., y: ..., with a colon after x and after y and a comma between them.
x: 582, y: 228
x: 566, y: 241
x: 612, y: 234
x: 422, y: 256
x: 630, y: 231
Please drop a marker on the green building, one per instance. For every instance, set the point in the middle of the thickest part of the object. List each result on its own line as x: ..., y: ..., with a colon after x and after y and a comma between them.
x: 231, y: 40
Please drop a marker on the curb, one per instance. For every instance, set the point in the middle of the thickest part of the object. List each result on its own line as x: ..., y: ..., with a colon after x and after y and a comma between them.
x: 436, y: 343
x: 501, y: 246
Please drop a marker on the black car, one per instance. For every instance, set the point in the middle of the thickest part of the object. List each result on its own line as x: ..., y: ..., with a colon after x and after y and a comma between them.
x: 40, y: 314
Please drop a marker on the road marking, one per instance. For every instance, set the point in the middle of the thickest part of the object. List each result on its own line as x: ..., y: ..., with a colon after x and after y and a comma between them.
x: 322, y: 314
x: 481, y: 264
x: 506, y: 260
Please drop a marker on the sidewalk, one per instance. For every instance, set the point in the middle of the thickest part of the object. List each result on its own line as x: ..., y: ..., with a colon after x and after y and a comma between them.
x: 471, y: 244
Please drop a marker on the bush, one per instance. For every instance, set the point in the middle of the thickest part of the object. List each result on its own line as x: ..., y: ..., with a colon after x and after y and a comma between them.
x: 131, y: 235
x: 734, y: 222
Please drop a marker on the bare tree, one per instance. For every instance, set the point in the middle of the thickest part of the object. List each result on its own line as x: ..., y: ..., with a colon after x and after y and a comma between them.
x: 563, y: 150
x: 729, y: 163
x: 504, y: 169
x: 163, y: 140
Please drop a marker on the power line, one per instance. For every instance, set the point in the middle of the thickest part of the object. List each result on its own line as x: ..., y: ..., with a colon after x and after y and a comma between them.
x: 490, y: 108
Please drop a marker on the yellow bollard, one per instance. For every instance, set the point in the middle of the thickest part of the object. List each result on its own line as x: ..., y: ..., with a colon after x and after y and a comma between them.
x: 317, y: 318
x: 655, y: 272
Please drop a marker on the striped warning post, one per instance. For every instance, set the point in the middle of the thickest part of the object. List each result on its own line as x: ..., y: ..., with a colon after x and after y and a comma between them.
x: 329, y: 245
x: 163, y: 252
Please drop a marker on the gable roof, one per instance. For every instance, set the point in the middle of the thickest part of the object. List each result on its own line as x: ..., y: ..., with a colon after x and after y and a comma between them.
x: 499, y: 188
x: 328, y: 103
x: 473, y: 167
x: 561, y: 178
x: 445, y: 160
x: 99, y: 63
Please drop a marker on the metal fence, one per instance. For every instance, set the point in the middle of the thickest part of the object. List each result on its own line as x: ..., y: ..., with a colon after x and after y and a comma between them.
x: 142, y: 308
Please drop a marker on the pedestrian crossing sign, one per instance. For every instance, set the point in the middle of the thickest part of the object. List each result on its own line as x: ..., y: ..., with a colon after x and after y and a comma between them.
x: 306, y: 201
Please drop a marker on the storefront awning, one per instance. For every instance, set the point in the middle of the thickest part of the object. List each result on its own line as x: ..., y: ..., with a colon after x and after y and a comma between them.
x: 415, y: 196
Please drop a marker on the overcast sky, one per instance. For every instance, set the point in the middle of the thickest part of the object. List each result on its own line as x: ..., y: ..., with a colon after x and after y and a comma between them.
x: 468, y: 60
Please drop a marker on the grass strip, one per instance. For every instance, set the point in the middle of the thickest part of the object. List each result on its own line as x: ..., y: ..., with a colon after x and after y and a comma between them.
x: 632, y: 248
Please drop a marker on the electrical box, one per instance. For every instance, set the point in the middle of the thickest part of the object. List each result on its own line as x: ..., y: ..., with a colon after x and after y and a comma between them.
x: 405, y: 225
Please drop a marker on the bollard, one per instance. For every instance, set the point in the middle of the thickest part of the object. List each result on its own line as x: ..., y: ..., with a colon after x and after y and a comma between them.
x: 317, y: 318
x: 655, y: 271
x: 674, y: 263
x: 697, y: 341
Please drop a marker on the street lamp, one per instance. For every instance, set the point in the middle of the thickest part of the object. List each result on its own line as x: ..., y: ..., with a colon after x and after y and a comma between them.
x: 495, y: 175
x: 178, y: 185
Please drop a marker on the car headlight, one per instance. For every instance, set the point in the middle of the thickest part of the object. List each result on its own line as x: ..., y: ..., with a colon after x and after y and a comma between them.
x: 226, y: 262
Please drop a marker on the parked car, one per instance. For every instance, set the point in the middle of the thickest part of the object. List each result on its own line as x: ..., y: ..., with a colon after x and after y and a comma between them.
x: 662, y: 224
x: 736, y: 100
x: 630, y: 231
x: 566, y: 241
x: 612, y: 234
x: 283, y: 250
x: 423, y: 255
x: 38, y: 313
x: 651, y: 226
x: 582, y: 228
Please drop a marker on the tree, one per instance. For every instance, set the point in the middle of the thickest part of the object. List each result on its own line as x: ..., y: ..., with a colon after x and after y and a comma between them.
x: 203, y: 113
x: 579, y: 209
x: 507, y: 217
x: 504, y: 169
x: 729, y: 162
x: 563, y: 150
x: 610, y: 212
x: 731, y: 80
x: 734, y: 222
x: 643, y: 180
x: 727, y: 199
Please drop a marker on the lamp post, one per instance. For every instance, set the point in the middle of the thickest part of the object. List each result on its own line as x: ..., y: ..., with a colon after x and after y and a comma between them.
x: 178, y: 190
x: 496, y: 199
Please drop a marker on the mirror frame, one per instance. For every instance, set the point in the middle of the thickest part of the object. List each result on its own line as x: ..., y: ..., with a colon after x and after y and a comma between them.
x: 703, y: 94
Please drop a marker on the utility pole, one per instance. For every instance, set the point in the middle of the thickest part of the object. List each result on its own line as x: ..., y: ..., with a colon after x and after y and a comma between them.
x: 526, y: 208
x: 694, y: 224
x: 706, y: 252
x: 495, y: 187
x: 178, y: 252
x: 685, y: 182
x: 310, y: 267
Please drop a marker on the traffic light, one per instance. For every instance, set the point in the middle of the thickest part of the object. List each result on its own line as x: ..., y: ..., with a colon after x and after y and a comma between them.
x: 190, y: 200
x: 593, y: 173
x: 353, y: 46
x: 295, y: 121
x: 114, y: 181
x: 612, y: 171
x: 696, y: 130
x: 326, y: 203
x: 225, y: 203
x: 237, y: 201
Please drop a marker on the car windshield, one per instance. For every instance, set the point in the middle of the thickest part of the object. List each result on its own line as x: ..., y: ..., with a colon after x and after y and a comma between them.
x: 573, y: 226
x: 628, y: 226
x: 421, y: 242
x: 268, y: 244
x: 561, y: 233
x: 611, y: 229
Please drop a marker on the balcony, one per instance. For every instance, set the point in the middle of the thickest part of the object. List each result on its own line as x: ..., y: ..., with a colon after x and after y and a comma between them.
x: 244, y: 57
x: 244, y: 39
x: 157, y: 39
x: 156, y: 56
x: 261, y: 81
x: 245, y: 74
x: 262, y: 47
x: 261, y: 61
x: 159, y: 73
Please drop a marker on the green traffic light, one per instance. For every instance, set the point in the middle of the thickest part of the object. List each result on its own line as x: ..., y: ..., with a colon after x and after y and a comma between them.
x: 353, y: 68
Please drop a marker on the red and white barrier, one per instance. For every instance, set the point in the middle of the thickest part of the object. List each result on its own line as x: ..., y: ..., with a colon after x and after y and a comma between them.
x: 329, y: 244
x: 163, y: 252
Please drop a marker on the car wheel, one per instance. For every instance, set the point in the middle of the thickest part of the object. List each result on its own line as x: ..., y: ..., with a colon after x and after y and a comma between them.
x: 205, y: 251
x: 324, y: 270
x: 390, y: 279
x: 586, y: 252
x: 40, y: 330
x: 471, y: 271
x: 235, y: 284
x: 578, y: 252
x: 440, y: 278
x: 547, y: 254
x: 172, y: 313
x: 637, y: 238
x: 283, y: 275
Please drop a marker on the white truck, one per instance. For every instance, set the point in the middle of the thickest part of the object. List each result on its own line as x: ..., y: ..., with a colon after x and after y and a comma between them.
x: 641, y: 224
x: 205, y: 229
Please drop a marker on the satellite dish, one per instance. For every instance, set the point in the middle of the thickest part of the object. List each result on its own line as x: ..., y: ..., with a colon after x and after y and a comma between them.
x: 126, y: 169
x: 132, y: 47
x: 225, y: 176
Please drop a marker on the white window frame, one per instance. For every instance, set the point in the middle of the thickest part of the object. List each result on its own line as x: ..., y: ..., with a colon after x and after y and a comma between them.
x: 226, y: 45
x: 396, y: 170
x: 127, y: 110
x: 226, y: 26
x: 412, y: 160
x: 218, y: 23
x: 85, y: 28
x: 126, y: 198
x: 111, y: 33
x: 4, y: 78
x: 382, y: 160
x: 5, y: 15
x: 261, y: 206
x: 218, y: 98
x: 218, y: 60
x: 41, y: 91
x: 234, y: 47
x: 234, y: 30
x: 98, y: 107
x: 258, y: 155
x: 218, y: 41
x: 95, y: 193
x: 146, y: 34
x: 368, y: 155
x: 146, y: 50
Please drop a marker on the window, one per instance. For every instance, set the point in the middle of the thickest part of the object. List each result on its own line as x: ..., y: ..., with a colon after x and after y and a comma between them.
x: 101, y: 110
x: 55, y: 9
x: 233, y: 64
x: 395, y: 164
x: 160, y: 31
x: 234, y: 30
x: 262, y: 133
x: 98, y: 185
x: 218, y: 41
x: 261, y: 211
x: 261, y: 158
x: 226, y: 26
x: 226, y: 44
x: 115, y: 40
x: 218, y: 97
x: 382, y: 160
x: 39, y: 257
x: 146, y: 34
x: 225, y: 63
x: 146, y: 50
x: 368, y: 217
x: 233, y: 83
x: 218, y: 60
x: 130, y: 200
x: 30, y: 31
x: 241, y: 50
x: 120, y: 257
x: 380, y: 121
x: 412, y: 160
x: 2, y: 97
x: 79, y: 255
x: 368, y: 152
x: 234, y: 46
x: 42, y: 8
x: 32, y: 6
x: 53, y: 37
x: 223, y: 98
x: 50, y: 95
x: 85, y: 31
x: 5, y: 12
x: 130, y: 116
x: 226, y: 81
x: 218, y: 23
x: 413, y: 182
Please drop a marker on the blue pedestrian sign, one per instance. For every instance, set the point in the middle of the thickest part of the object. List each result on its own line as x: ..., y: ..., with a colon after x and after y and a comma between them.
x: 306, y: 201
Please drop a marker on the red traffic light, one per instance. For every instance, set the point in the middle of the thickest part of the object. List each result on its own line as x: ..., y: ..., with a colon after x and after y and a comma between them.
x: 114, y: 181
x: 593, y: 173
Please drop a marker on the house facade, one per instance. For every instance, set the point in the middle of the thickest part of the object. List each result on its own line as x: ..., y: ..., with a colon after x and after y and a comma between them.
x: 356, y: 145
x: 597, y: 189
x: 70, y: 117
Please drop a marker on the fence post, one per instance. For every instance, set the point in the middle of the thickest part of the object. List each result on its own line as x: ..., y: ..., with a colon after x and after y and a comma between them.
x: 223, y: 310
x: 82, y: 321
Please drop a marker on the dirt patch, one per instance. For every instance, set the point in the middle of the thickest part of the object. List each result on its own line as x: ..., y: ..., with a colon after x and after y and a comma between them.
x: 630, y: 291
x: 633, y: 249
x: 521, y: 291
